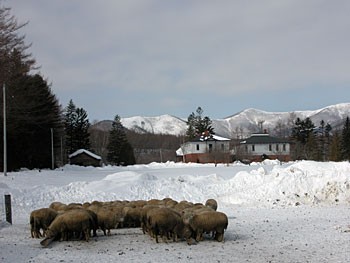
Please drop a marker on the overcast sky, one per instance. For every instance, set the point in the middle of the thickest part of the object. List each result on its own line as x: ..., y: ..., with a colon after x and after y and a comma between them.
x: 154, y: 57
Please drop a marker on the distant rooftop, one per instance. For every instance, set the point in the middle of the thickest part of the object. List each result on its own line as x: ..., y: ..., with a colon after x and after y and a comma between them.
x: 263, y: 138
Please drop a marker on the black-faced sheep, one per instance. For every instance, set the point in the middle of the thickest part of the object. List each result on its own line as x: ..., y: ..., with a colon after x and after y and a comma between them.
x: 41, y: 219
x: 207, y: 221
x: 70, y: 222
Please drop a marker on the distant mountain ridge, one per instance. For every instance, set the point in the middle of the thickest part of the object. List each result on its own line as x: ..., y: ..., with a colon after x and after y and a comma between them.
x: 242, y: 123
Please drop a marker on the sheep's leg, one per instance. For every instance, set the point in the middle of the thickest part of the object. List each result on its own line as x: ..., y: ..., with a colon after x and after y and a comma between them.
x: 199, y: 235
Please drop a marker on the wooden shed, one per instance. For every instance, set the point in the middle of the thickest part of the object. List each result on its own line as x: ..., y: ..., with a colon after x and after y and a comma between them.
x: 85, y: 158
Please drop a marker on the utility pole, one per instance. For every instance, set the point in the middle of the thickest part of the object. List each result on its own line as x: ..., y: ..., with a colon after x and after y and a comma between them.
x: 4, y: 126
x: 52, y: 152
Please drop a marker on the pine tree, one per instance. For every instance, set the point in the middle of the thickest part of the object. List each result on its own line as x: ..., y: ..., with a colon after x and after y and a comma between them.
x: 303, y: 135
x: 120, y: 152
x: 70, y: 118
x: 345, y: 143
x: 15, y: 61
x: 82, y: 126
x: 34, y: 111
x: 197, y: 125
x: 335, y: 151
x: 77, y: 128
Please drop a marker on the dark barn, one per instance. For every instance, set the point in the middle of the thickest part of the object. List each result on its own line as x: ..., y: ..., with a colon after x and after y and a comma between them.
x: 84, y: 157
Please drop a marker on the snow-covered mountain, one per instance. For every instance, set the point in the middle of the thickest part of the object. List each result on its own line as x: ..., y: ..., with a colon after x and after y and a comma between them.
x: 242, y: 123
x: 164, y: 124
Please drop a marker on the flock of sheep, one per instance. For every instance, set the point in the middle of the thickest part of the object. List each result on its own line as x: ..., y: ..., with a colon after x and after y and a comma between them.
x: 164, y: 218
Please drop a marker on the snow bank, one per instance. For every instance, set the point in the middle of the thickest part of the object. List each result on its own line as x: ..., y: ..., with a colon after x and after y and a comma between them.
x: 259, y: 184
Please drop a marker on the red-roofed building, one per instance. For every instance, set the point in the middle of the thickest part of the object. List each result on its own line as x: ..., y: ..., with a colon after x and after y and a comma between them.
x: 205, y: 149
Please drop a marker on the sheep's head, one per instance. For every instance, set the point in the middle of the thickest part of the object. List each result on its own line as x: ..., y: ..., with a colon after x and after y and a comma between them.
x: 187, y: 216
x: 49, y: 233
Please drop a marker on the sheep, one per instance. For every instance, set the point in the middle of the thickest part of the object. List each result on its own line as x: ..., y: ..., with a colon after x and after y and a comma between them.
x: 182, y: 205
x: 165, y: 221
x: 132, y: 216
x: 58, y: 206
x: 107, y: 219
x: 143, y: 218
x: 212, y: 203
x: 206, y: 221
x: 41, y: 219
x: 71, y: 221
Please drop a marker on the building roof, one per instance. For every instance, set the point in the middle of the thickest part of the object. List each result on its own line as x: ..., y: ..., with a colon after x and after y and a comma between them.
x: 263, y: 138
x: 80, y: 151
x: 211, y: 137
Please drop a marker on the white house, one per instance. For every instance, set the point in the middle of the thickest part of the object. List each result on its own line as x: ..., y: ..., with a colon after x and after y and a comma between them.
x: 262, y: 146
x: 205, y: 149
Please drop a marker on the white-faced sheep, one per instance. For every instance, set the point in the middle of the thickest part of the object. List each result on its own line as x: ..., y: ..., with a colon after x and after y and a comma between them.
x: 41, y: 219
x: 207, y: 221
x: 70, y: 222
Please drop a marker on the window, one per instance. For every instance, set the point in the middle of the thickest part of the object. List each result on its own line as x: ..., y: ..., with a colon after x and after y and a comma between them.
x: 277, y: 148
x: 284, y: 147
x: 197, y: 147
x: 222, y: 147
x: 253, y: 148
x: 210, y: 148
x: 270, y: 147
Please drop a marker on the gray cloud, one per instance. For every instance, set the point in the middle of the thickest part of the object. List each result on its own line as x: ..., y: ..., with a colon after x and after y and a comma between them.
x: 174, y: 55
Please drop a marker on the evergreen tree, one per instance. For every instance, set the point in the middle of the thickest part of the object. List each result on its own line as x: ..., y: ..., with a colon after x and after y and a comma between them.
x: 32, y: 110
x: 197, y: 124
x: 15, y: 61
x: 335, y: 151
x: 120, y: 151
x: 82, y: 126
x: 345, y: 143
x: 77, y: 128
x: 70, y: 118
x: 301, y: 134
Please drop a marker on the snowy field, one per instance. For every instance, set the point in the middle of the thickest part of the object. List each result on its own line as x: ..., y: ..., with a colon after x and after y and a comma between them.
x: 294, y: 212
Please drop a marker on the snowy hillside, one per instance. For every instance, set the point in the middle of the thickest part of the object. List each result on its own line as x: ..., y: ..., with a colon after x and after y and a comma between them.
x: 244, y: 122
x: 164, y: 124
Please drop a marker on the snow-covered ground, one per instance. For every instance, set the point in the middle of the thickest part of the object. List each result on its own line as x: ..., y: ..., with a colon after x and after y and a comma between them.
x: 294, y: 212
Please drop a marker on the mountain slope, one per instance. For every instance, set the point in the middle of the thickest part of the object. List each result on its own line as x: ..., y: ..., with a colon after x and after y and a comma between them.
x: 242, y: 123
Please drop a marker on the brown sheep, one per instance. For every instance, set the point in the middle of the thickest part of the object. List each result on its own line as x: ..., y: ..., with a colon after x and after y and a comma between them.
x: 69, y: 222
x: 41, y: 219
x: 165, y: 221
x: 132, y: 216
x: 58, y: 206
x: 107, y: 219
x: 207, y: 221
x: 144, y: 212
x: 212, y: 204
